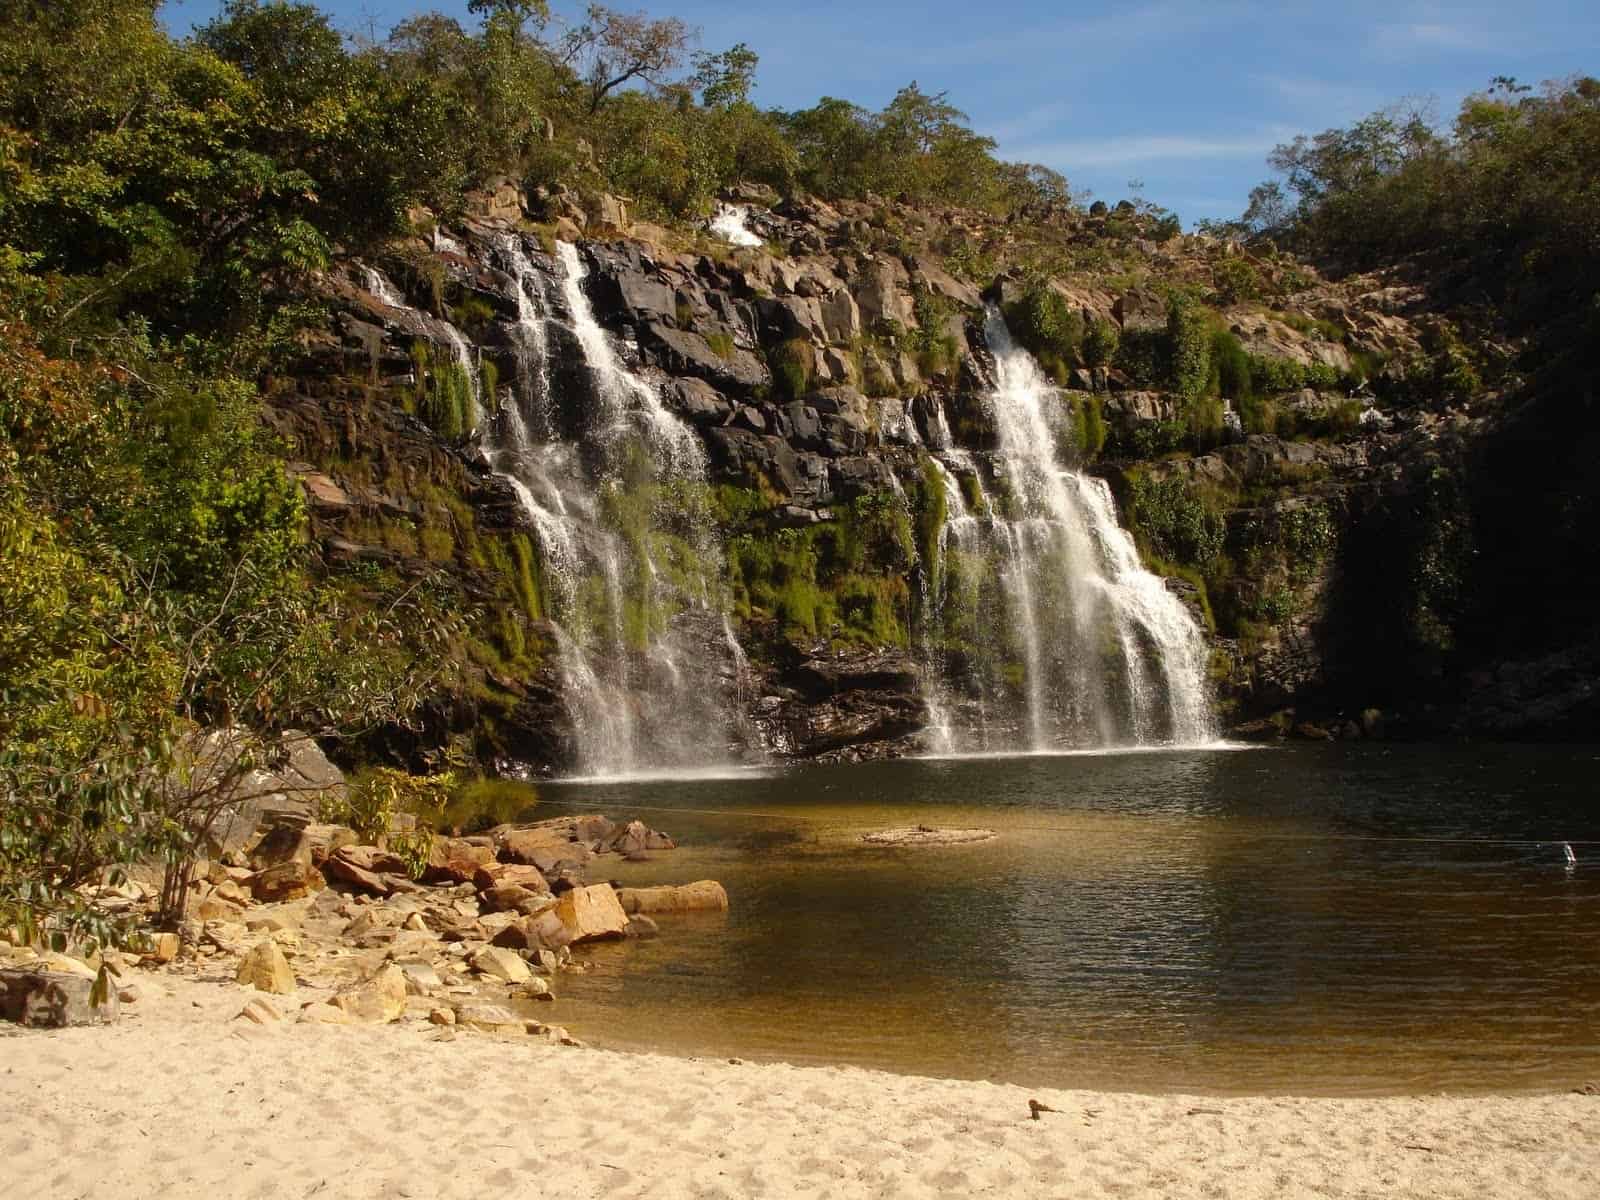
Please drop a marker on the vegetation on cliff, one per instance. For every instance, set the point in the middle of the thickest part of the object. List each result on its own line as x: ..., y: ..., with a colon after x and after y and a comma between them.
x: 167, y: 204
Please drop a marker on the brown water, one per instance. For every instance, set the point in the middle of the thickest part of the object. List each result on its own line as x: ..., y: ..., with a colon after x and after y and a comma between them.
x: 1341, y: 919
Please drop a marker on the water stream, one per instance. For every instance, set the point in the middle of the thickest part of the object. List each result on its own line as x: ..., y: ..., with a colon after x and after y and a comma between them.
x: 1048, y: 633
x: 649, y: 672
x: 1040, y: 628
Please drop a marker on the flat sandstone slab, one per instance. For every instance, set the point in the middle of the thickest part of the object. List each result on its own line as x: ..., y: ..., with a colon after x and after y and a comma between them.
x: 927, y: 835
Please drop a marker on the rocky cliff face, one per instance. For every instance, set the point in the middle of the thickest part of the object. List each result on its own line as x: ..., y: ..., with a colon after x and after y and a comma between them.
x: 833, y: 381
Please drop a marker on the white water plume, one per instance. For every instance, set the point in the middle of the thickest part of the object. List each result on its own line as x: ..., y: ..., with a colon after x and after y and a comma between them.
x: 1068, y: 642
x: 646, y: 666
x: 731, y: 224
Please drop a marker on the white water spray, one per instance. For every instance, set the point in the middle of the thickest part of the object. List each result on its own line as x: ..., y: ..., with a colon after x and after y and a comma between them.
x: 1088, y: 648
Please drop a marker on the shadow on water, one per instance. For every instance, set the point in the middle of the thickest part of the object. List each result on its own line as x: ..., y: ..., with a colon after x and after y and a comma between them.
x: 1338, y: 919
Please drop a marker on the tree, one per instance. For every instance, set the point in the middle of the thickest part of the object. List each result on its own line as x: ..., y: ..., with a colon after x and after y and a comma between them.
x: 610, y: 49
x: 523, y: 12
x: 725, y: 79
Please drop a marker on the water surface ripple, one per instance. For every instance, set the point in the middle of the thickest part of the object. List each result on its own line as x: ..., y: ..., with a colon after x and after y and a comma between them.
x: 1342, y: 919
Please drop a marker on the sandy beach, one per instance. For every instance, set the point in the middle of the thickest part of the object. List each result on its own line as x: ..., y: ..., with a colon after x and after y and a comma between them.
x: 180, y: 1099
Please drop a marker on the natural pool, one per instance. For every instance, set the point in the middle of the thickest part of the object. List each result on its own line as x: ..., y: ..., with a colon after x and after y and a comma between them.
x: 1318, y: 919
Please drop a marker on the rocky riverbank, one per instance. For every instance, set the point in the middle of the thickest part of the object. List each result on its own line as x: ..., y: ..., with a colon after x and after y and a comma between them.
x: 312, y: 926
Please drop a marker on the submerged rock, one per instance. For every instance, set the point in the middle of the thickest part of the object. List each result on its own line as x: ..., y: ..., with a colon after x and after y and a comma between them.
x: 927, y: 835
x: 705, y: 895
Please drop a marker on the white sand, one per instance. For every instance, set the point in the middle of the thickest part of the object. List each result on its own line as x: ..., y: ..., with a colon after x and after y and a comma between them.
x: 177, y: 1100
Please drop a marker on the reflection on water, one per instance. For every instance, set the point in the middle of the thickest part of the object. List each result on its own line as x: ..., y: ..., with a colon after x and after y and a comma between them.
x: 1329, y: 919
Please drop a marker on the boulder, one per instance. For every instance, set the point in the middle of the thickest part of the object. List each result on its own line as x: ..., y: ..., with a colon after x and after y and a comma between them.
x: 266, y: 969
x: 283, y: 844
x: 537, y: 931
x: 421, y: 977
x: 259, y: 1012
x: 927, y: 274
x: 606, y: 209
x: 499, y: 200
x: 683, y: 352
x: 354, y: 867
x: 705, y: 895
x: 412, y: 944
x: 512, y: 898
x: 841, y: 318
x: 307, y: 771
x: 163, y: 947
x: 41, y: 997
x: 527, y: 844
x: 697, y: 400
x: 632, y: 838
x: 501, y: 964
x: 592, y: 913
x: 289, y: 880
x: 380, y: 999
x: 489, y: 1018
x: 454, y: 860
x: 326, y: 1014
x: 497, y: 874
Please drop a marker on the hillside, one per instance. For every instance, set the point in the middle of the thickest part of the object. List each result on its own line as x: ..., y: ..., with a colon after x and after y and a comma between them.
x: 526, y: 399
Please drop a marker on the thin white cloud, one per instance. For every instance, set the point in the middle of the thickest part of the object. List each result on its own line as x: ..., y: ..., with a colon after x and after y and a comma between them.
x: 1104, y: 153
x: 1096, y: 39
x: 1028, y: 124
x: 1437, y: 37
x: 1322, y: 97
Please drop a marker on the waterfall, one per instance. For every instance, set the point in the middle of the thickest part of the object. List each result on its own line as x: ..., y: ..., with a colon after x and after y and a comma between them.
x: 650, y: 673
x: 731, y: 224
x: 1048, y: 634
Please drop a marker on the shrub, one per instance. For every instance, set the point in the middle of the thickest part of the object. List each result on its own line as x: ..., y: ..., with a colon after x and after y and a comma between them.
x: 1188, y: 346
x: 1141, y: 355
x: 1175, y: 521
x: 1230, y: 366
x: 1235, y: 279
x: 1046, y: 326
x: 792, y: 364
x: 1100, y: 343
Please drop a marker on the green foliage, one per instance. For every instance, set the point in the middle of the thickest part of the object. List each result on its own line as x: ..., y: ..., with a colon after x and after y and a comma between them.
x: 1188, y: 346
x: 1090, y: 426
x: 791, y: 368
x: 1141, y: 354
x: 1100, y: 343
x: 1048, y: 328
x: 446, y: 393
x: 374, y: 799
x: 1230, y: 366
x: 935, y: 347
x: 844, y: 579
x: 1234, y: 279
x: 155, y: 581
x: 1503, y: 202
x: 1176, y: 521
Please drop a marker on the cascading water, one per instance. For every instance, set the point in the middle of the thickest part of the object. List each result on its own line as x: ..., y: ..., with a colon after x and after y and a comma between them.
x: 650, y: 673
x: 731, y: 224
x: 1049, y: 633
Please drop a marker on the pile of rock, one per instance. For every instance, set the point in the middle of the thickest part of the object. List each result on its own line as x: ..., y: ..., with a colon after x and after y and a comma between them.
x: 309, y: 912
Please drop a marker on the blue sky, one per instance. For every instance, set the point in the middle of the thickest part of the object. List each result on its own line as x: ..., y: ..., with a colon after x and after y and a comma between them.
x: 1186, y: 97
